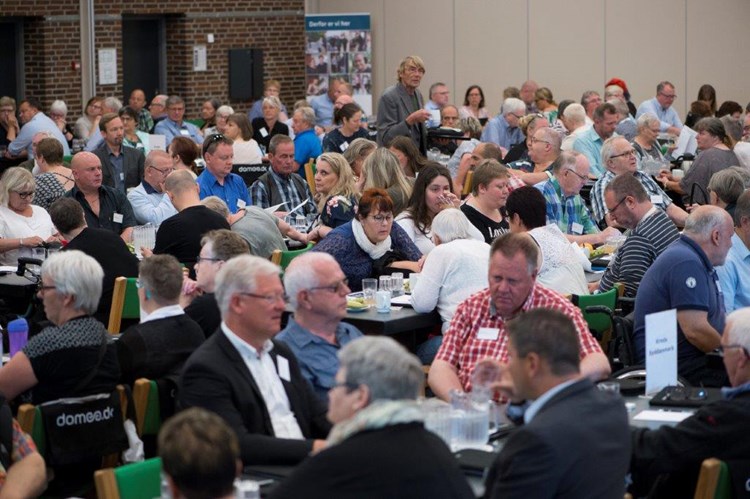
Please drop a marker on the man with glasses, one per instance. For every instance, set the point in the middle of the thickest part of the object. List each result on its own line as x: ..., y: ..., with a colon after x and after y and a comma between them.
x: 503, y: 129
x: 198, y: 297
x: 543, y: 151
x: 217, y: 178
x: 174, y: 126
x: 661, y: 107
x: 150, y: 202
x: 683, y: 277
x: 401, y: 107
x: 317, y: 289
x: 158, y: 108
x: 122, y: 167
x: 716, y: 430
x: 619, y: 158
x: 565, y: 206
x: 250, y: 379
x: 590, y: 142
x: 651, y: 232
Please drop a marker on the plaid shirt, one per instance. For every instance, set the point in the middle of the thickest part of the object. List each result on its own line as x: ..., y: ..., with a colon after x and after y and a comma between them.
x: 145, y: 122
x: 566, y: 210
x: 22, y: 447
x: 599, y: 209
x: 463, y: 348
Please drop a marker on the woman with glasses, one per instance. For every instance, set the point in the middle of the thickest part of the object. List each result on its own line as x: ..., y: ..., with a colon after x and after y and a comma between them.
x: 23, y: 225
x: 133, y: 137
x: 378, y: 446
x: 270, y: 124
x: 371, y: 244
x: 474, y: 104
x: 645, y: 144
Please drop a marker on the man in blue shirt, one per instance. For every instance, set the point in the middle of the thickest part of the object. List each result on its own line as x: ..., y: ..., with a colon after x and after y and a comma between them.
x: 323, y: 104
x: 439, y: 98
x: 306, y: 144
x: 317, y: 290
x: 733, y: 275
x: 149, y: 200
x: 590, y: 142
x: 34, y: 121
x: 661, y: 107
x: 503, y: 129
x: 173, y: 125
x: 217, y: 178
x: 683, y: 278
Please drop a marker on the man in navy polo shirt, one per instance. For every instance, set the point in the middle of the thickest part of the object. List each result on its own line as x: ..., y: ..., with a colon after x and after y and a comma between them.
x: 683, y: 278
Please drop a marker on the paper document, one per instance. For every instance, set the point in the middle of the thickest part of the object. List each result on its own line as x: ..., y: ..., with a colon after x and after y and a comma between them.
x: 686, y: 142
x: 662, y: 416
x: 272, y: 209
x: 661, y: 350
x: 303, y: 203
x: 401, y: 300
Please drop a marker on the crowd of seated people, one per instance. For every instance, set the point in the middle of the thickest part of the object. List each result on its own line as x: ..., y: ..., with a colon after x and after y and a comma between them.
x: 488, y: 252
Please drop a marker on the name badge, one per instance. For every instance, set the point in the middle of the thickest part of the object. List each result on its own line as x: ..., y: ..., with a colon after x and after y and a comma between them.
x: 576, y: 228
x: 117, y: 218
x: 344, y: 146
x: 184, y: 133
x: 657, y: 199
x: 122, y: 176
x: 263, y: 133
x: 488, y: 333
x: 241, y: 203
x: 283, y: 367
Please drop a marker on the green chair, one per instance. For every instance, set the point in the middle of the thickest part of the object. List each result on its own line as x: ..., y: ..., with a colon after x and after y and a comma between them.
x: 599, y: 323
x: 197, y: 122
x: 67, y: 159
x: 147, y: 408
x: 283, y: 258
x: 132, y: 481
x: 124, y: 303
x: 713, y: 480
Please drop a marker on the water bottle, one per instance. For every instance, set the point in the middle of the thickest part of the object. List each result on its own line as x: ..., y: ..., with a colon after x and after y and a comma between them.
x: 18, y: 335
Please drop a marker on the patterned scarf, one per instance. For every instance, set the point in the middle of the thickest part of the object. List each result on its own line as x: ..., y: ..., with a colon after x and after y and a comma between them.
x: 379, y: 414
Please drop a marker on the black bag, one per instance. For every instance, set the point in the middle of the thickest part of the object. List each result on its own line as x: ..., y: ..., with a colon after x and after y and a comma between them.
x: 382, y: 266
x: 81, y: 428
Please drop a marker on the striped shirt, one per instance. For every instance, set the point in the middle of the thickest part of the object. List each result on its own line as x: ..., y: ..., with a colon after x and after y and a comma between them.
x: 599, y: 209
x: 653, y: 234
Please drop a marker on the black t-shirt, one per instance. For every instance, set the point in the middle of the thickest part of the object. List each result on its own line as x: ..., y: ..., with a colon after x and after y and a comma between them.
x: 488, y: 227
x: 260, y: 124
x: 205, y: 311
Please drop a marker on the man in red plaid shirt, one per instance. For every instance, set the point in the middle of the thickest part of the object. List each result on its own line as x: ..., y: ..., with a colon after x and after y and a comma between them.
x: 478, y: 331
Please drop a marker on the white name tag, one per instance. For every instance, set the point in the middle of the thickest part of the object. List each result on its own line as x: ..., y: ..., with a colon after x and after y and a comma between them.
x: 576, y: 228
x: 122, y: 176
x: 283, y: 366
x: 657, y: 199
x: 488, y: 333
x: 241, y: 203
x: 344, y: 146
x: 263, y: 133
x: 117, y: 218
x: 184, y: 133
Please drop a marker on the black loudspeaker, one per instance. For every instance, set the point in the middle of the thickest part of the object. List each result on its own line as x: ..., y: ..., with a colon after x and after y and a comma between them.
x: 245, y: 74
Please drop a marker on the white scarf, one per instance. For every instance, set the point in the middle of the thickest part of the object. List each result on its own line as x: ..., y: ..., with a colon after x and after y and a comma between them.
x: 374, y: 250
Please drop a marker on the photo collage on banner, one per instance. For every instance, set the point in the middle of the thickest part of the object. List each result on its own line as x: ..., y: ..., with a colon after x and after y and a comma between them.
x: 339, y: 46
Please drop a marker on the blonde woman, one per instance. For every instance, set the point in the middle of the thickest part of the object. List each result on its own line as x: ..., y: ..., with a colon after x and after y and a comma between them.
x: 382, y: 170
x: 336, y: 194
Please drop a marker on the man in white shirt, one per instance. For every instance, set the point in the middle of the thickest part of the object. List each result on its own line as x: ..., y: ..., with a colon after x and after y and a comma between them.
x: 249, y: 379
x: 149, y: 200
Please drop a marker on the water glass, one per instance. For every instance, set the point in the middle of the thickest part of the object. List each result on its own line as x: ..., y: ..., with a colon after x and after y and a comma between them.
x: 609, y: 387
x: 397, y: 283
x: 437, y: 419
x: 301, y: 223
x: 369, y: 288
x: 383, y: 302
x: 385, y: 283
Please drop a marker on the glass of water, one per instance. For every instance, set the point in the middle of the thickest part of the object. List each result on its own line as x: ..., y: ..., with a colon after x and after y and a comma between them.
x: 385, y: 283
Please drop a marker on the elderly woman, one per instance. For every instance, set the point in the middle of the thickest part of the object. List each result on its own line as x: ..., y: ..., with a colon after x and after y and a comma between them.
x: 246, y: 150
x: 184, y: 152
x: 55, y: 179
x: 715, y: 155
x: 528, y: 124
x: 336, y: 194
x: 356, y: 154
x: 349, y: 120
x: 58, y: 112
x: 454, y: 270
x: 270, y: 124
x: 55, y: 362
x: 474, y: 104
x: 371, y: 244
x: 645, y: 145
x: 378, y: 446
x: 89, y: 123
x: 725, y: 188
x: 22, y: 224
x: 560, y: 269
x: 382, y: 170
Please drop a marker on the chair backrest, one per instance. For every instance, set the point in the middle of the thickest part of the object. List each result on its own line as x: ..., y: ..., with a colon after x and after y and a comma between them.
x: 132, y: 481
x: 598, y: 322
x: 124, y: 303
x: 713, y: 480
x: 310, y: 175
x: 466, y: 189
x: 250, y: 172
x: 283, y: 258
x: 147, y: 407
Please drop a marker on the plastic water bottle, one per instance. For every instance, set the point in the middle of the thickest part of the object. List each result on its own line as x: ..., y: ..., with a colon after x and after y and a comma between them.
x: 18, y: 335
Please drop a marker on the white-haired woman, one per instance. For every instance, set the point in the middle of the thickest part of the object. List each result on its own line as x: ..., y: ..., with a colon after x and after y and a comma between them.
x: 645, y: 144
x: 220, y: 118
x: 58, y: 112
x: 270, y: 124
x: 22, y: 224
x: 378, y: 446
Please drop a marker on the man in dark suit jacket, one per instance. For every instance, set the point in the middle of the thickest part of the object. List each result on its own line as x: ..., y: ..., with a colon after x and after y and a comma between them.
x: 122, y: 167
x: 251, y: 381
x: 574, y: 442
x: 401, y: 107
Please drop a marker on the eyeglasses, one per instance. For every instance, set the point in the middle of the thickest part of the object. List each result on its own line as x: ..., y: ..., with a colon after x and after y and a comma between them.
x: 165, y: 171
x: 25, y: 195
x: 349, y: 386
x: 217, y: 137
x: 629, y: 152
x: 42, y: 288
x: 270, y: 299
x: 722, y: 349
x: 200, y: 259
x: 668, y: 96
x: 582, y: 177
x: 382, y: 218
x: 534, y: 140
x: 613, y: 209
x: 334, y: 288
x: 517, y: 116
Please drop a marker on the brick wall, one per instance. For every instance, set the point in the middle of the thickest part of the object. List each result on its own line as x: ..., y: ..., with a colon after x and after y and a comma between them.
x: 52, y: 43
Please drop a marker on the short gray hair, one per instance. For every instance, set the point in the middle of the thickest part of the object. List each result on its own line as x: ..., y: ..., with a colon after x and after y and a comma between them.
x: 728, y: 185
x: 302, y: 274
x: 59, y: 106
x: 451, y: 224
x: 384, y: 366
x: 112, y: 103
x: 272, y: 101
x: 308, y: 115
x: 738, y: 327
x: 225, y: 111
x: 77, y: 274
x: 575, y: 113
x: 646, y: 120
x: 703, y: 221
x: 215, y: 203
x: 472, y: 126
x: 620, y: 106
x: 15, y: 179
x: 513, y: 105
x: 608, y: 148
x: 240, y: 274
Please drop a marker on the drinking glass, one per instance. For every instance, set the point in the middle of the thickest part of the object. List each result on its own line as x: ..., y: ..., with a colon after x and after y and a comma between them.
x: 385, y: 283
x: 369, y: 288
x: 397, y: 283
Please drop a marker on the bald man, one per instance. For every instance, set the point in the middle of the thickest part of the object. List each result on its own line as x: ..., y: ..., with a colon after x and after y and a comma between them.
x: 149, y: 200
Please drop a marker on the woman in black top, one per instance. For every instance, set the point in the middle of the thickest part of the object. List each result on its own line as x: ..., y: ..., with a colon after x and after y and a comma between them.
x: 269, y: 125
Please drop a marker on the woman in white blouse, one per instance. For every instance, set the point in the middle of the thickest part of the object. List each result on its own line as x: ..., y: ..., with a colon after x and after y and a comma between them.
x: 454, y: 270
x: 22, y: 225
x: 246, y: 150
